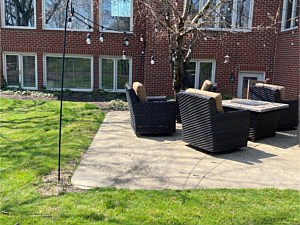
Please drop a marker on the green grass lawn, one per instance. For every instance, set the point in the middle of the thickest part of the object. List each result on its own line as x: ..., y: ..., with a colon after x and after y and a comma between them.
x: 29, y: 140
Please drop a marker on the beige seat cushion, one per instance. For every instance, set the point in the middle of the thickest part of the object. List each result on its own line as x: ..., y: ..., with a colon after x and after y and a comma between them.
x: 217, y: 97
x: 206, y: 85
x: 280, y: 88
x: 140, y: 91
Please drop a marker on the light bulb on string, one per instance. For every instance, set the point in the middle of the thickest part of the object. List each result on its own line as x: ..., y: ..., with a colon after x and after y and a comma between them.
x: 101, y: 37
x: 126, y: 41
x: 142, y: 38
x: 167, y: 15
x: 155, y: 29
x: 205, y: 37
x: 226, y: 58
x: 88, y: 39
x: 152, y: 60
x: 124, y: 55
x: 69, y: 24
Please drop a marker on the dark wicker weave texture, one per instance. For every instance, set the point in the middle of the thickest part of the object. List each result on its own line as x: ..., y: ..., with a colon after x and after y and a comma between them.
x: 208, y: 130
x: 289, y: 116
x: 154, y: 117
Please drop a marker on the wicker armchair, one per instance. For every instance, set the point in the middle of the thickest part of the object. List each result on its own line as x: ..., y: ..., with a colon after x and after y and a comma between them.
x: 156, y: 116
x: 209, y: 130
x: 289, y: 116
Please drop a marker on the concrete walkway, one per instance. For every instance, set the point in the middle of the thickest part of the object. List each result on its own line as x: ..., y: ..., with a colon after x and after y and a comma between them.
x: 118, y: 158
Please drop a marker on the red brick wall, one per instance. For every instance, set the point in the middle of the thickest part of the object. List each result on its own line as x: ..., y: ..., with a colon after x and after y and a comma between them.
x: 249, y: 55
x: 287, y: 61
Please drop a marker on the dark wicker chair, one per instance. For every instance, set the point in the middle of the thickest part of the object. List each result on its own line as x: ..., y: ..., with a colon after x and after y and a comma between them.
x: 289, y: 116
x: 155, y: 117
x: 209, y: 130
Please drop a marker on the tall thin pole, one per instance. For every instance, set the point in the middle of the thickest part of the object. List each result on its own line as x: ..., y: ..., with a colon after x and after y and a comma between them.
x: 62, y: 88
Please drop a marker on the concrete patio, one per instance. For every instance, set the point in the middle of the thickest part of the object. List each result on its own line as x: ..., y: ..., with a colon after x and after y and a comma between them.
x: 118, y: 158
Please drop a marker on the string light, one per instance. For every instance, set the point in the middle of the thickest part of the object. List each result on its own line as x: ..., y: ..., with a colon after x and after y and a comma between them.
x: 124, y: 55
x: 69, y: 24
x: 101, y: 37
x: 142, y: 38
x: 126, y: 41
x: 205, y: 37
x: 155, y: 29
x: 167, y: 15
x: 226, y: 58
x: 88, y: 39
x: 152, y: 60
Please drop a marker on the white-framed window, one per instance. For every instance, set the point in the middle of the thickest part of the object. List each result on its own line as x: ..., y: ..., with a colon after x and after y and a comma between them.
x: 234, y: 14
x: 198, y: 71
x: 116, y: 15
x: 115, y: 73
x: 18, y: 14
x: 54, y: 14
x: 20, y: 70
x: 78, y: 72
x: 290, y: 14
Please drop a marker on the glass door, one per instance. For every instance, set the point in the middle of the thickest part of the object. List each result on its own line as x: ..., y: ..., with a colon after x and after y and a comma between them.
x: 243, y: 81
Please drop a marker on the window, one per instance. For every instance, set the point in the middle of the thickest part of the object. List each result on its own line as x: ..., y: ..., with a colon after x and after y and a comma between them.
x: 114, y: 73
x: 54, y: 14
x: 233, y: 14
x: 20, y: 71
x: 78, y: 73
x: 18, y: 14
x: 116, y: 15
x: 290, y: 14
x: 199, y: 71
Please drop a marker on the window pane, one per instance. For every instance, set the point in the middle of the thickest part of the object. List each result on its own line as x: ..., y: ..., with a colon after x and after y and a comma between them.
x: 226, y: 15
x: 205, y: 72
x: 12, y: 70
x: 297, y: 13
x: 108, y: 74
x: 55, y: 13
x: 29, y: 71
x: 243, y: 13
x: 189, y: 77
x: 54, y: 70
x: 289, y: 8
x: 211, y: 17
x: 19, y: 13
x: 77, y: 73
x: 116, y: 14
x: 123, y: 73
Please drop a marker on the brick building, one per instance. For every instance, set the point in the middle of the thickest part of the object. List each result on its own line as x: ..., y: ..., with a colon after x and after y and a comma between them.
x: 31, y: 48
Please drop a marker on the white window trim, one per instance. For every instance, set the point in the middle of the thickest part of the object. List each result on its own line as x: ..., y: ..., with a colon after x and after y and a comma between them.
x: 68, y: 29
x: 242, y: 74
x: 293, y: 16
x: 68, y: 56
x: 197, y: 70
x: 20, y: 55
x: 115, y: 58
x: 115, y: 31
x: 233, y: 18
x: 2, y: 6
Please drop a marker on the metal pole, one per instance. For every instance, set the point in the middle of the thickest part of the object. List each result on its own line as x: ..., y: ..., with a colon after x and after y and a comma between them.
x: 62, y: 88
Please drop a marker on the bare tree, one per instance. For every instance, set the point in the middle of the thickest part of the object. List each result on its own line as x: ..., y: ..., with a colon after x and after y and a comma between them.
x: 181, y: 22
x: 19, y: 12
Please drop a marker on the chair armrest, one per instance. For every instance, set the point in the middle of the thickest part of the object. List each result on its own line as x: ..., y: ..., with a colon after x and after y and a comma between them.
x: 231, y: 119
x: 156, y: 98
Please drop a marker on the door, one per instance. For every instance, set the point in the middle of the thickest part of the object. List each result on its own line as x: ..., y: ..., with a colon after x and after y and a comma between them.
x: 243, y: 81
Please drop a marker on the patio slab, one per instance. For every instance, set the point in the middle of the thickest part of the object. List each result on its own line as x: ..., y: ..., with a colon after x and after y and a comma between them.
x: 118, y: 158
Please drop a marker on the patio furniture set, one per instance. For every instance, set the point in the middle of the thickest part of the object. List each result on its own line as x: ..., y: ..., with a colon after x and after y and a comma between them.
x: 208, y: 123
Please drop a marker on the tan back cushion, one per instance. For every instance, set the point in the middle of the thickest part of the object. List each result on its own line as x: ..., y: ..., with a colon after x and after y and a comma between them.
x: 140, y: 91
x: 206, y: 85
x: 216, y: 96
x: 280, y: 88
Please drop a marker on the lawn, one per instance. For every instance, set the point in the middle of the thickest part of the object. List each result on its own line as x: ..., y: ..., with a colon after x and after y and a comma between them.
x: 29, y: 140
